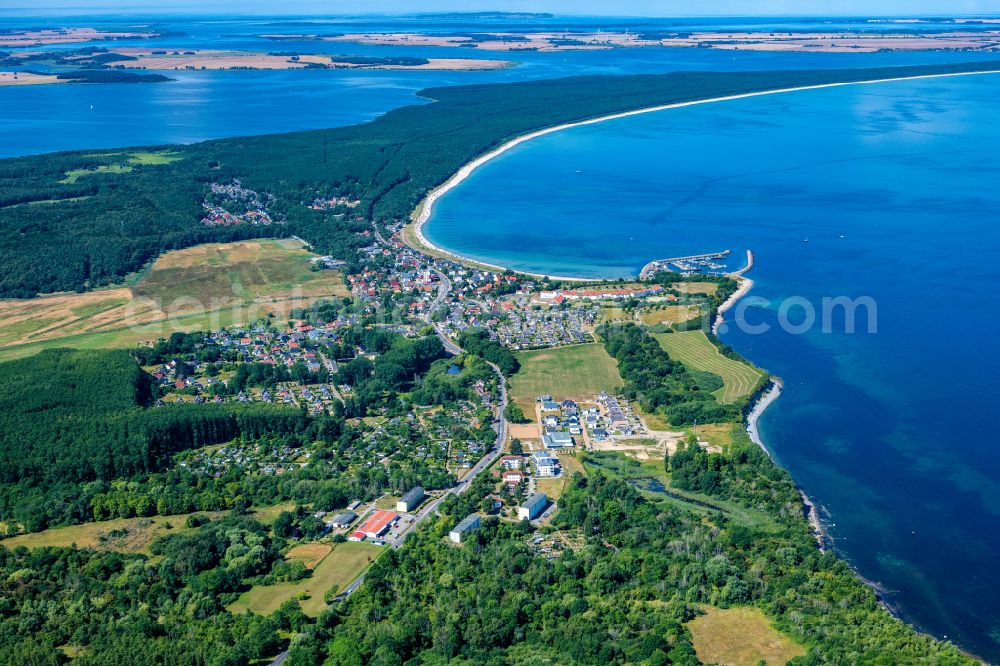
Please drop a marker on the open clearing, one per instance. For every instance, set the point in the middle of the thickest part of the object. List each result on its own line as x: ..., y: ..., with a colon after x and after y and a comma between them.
x: 554, y: 486
x: 564, y: 372
x: 695, y: 350
x: 740, y: 637
x: 671, y: 314
x: 125, y: 535
x: 695, y: 287
x: 311, y: 554
x: 344, y: 562
x: 199, y: 288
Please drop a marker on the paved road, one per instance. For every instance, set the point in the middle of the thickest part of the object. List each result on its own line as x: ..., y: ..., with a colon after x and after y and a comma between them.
x: 431, y: 507
x: 443, y: 290
x: 331, y: 367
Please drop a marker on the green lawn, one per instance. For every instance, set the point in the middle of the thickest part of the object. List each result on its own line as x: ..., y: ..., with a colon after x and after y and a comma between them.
x: 564, y: 372
x: 337, y: 570
x: 74, y: 175
x: 695, y: 350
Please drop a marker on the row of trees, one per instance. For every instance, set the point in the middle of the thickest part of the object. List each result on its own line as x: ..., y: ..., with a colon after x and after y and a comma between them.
x: 659, y: 382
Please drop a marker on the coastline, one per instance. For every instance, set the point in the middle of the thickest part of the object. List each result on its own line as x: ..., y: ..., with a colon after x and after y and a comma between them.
x: 765, y: 397
x: 745, y: 285
x: 752, y: 423
x: 422, y: 213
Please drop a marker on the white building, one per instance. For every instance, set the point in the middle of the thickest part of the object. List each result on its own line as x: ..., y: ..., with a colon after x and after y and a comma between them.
x: 467, y: 524
x: 531, y: 508
x: 545, y: 464
x: 410, y: 500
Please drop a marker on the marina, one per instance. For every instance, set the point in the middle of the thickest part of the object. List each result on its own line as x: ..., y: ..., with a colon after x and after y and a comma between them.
x: 689, y: 265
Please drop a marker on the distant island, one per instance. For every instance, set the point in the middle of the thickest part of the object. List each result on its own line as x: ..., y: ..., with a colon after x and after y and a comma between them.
x: 841, y: 41
x: 30, y: 78
x: 93, y: 59
x: 53, y: 36
x: 488, y: 15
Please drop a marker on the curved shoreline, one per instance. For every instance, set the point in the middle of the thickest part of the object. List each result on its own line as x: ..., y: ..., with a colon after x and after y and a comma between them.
x: 422, y: 213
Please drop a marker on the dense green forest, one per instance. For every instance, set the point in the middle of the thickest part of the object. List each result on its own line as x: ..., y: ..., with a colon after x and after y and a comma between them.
x: 104, y: 223
x: 69, y: 418
x: 125, y: 609
x: 660, y: 383
x: 624, y: 595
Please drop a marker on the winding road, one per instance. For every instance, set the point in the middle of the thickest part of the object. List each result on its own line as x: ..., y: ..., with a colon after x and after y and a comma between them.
x: 463, y: 485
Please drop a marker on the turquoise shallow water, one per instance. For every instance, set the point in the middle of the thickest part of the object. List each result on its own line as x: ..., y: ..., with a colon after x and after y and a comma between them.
x: 895, y: 186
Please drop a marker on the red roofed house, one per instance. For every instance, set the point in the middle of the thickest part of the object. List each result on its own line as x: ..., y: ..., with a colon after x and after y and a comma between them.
x: 512, y: 476
x: 378, y: 524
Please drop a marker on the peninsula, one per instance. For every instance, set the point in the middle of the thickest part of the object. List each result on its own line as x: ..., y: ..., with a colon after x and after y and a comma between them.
x: 233, y: 482
x: 388, y: 166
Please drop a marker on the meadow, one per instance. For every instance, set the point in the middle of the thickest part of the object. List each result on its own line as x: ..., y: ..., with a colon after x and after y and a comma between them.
x: 125, y: 535
x: 695, y: 350
x: 337, y: 569
x: 200, y: 288
x: 740, y: 636
x: 564, y: 372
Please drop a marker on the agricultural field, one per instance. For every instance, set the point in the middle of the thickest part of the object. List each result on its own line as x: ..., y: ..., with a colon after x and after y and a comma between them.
x: 564, y: 372
x: 695, y: 350
x: 337, y: 569
x: 199, y: 288
x: 740, y: 636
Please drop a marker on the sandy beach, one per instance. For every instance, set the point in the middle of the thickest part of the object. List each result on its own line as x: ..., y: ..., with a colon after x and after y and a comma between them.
x: 423, y: 211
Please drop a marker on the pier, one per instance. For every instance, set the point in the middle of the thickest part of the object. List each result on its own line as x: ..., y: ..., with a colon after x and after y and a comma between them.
x: 657, y: 265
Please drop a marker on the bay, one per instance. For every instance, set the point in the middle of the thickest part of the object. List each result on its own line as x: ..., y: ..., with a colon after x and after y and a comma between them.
x: 894, y: 185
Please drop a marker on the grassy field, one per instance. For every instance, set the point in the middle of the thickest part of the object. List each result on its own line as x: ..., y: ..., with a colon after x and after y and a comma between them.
x: 653, y: 480
x: 673, y: 314
x: 337, y: 569
x: 129, y: 161
x: 695, y: 350
x: 740, y: 637
x: 200, y: 288
x: 126, y: 535
x: 564, y: 372
x: 695, y: 287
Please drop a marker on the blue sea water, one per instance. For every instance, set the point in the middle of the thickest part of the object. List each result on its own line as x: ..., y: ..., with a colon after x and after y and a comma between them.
x: 893, y: 433
x: 894, y: 185
x: 200, y: 105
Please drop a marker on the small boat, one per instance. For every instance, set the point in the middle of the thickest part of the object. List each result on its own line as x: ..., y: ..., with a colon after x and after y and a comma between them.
x: 805, y: 240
